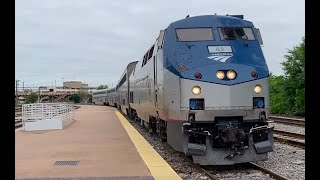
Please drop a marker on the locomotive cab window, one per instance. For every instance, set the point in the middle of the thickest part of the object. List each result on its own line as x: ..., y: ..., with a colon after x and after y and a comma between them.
x: 236, y: 33
x: 194, y: 34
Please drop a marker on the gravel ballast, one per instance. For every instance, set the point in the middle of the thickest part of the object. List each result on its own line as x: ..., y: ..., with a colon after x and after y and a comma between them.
x: 285, y: 165
x: 287, y: 161
x: 289, y: 128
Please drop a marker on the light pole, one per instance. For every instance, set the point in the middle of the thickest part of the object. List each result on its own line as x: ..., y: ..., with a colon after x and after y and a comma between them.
x: 17, y: 99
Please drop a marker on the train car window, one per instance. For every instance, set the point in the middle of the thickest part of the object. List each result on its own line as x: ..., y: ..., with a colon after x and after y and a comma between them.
x: 194, y: 34
x: 123, y: 80
x: 131, y: 97
x: 259, y: 36
x: 147, y: 56
x: 150, y: 52
x: 236, y: 33
x: 160, y: 39
x: 144, y: 60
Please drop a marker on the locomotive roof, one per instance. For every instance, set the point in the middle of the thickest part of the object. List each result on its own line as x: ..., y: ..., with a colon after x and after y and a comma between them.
x: 209, y: 21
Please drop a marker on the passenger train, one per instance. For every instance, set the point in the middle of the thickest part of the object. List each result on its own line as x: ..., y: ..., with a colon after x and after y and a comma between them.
x: 99, y: 97
x: 203, y: 87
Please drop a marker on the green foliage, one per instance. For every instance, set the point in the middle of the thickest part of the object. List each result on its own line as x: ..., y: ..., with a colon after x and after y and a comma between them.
x: 80, y: 96
x: 67, y: 100
x: 32, y: 98
x: 84, y: 96
x: 75, y: 98
x: 278, y: 102
x: 102, y: 87
x: 287, y: 92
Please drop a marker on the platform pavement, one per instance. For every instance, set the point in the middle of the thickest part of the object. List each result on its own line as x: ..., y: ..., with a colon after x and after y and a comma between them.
x: 102, y: 143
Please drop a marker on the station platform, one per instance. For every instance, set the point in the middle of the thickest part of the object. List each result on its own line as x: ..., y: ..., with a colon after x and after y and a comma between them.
x: 100, y: 144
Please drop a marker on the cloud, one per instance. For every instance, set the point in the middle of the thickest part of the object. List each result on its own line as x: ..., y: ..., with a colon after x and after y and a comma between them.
x: 96, y: 39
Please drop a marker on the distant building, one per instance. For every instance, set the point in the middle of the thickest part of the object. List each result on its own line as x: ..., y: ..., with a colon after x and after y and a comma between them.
x: 68, y: 87
x: 53, y: 89
x: 75, y: 85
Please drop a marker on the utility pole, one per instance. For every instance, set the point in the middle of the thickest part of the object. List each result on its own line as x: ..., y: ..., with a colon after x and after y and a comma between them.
x: 23, y: 86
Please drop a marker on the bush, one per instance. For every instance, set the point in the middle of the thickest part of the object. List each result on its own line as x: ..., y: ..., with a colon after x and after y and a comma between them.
x: 75, y: 98
x: 32, y: 98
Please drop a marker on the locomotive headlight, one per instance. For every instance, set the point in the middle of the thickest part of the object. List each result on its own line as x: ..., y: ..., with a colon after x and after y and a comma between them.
x: 196, y: 90
x: 220, y: 74
x: 231, y: 74
x: 258, y: 88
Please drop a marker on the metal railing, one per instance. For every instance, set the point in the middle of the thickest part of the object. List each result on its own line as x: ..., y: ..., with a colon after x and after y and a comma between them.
x: 47, y: 111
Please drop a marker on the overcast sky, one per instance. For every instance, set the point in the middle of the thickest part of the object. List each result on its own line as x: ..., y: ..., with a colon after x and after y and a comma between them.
x: 93, y: 40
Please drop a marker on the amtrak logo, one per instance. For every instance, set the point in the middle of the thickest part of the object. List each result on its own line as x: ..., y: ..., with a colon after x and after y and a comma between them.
x: 221, y: 57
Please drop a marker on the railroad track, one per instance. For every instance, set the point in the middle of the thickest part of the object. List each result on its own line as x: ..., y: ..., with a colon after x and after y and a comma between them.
x: 267, y: 171
x: 290, y: 138
x: 18, y: 117
x: 18, y: 123
x: 212, y: 172
x: 287, y: 120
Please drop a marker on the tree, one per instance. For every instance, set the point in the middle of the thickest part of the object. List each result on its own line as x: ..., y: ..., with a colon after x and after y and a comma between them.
x: 84, y: 96
x: 75, y: 98
x: 277, y: 100
x: 294, y: 68
x: 32, y: 98
x: 102, y: 87
x: 287, y: 92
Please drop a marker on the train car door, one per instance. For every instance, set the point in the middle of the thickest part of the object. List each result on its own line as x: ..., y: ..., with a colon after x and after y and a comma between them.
x: 155, y: 82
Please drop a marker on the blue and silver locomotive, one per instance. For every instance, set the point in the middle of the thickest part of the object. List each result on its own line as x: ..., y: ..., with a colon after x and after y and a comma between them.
x: 203, y: 87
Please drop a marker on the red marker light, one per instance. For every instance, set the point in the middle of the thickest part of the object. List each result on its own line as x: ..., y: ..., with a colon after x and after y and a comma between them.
x: 197, y: 75
x: 254, y: 74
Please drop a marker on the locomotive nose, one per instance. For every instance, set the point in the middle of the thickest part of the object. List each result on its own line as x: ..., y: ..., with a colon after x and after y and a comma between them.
x: 222, y: 73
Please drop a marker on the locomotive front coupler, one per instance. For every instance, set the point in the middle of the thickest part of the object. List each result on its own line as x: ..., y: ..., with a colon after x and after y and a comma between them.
x: 237, y: 151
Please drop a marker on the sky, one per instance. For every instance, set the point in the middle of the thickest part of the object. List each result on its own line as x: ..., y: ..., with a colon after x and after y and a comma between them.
x: 93, y: 40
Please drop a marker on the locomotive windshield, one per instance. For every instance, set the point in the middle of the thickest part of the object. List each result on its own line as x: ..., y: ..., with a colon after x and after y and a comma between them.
x: 236, y: 33
x: 194, y: 34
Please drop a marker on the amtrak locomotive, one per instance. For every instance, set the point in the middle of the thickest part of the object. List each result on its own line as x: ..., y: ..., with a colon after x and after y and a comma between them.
x: 203, y: 87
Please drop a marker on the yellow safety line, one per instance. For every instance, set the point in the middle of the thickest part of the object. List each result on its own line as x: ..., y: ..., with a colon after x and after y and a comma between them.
x: 158, y: 167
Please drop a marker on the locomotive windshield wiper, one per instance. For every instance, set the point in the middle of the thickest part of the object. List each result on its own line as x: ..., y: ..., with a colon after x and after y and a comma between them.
x: 245, y: 44
x: 187, y: 45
